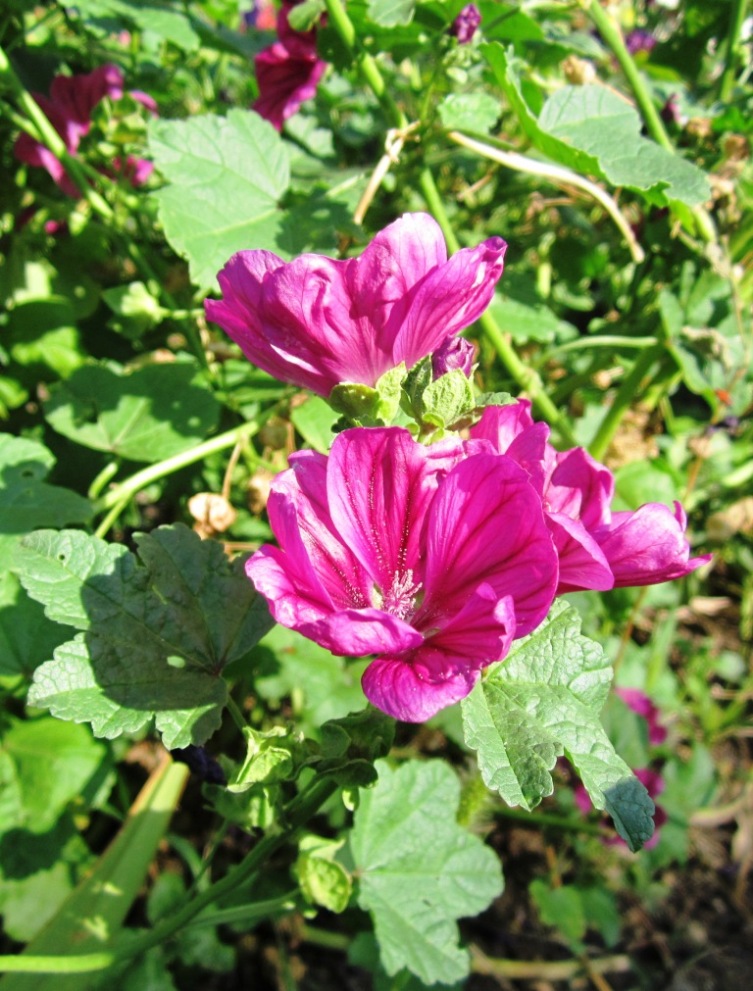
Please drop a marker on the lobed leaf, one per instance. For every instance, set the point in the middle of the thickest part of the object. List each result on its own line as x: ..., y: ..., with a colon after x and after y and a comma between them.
x: 542, y: 702
x: 156, y: 632
x: 225, y: 176
x: 419, y: 871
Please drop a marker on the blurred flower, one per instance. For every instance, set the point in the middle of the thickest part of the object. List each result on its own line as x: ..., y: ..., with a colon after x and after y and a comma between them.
x: 69, y: 108
x: 287, y: 72
x: 639, y: 41
x: 642, y: 705
x: 317, y: 322
x: 393, y: 548
x: 598, y: 549
x: 466, y: 23
x: 670, y: 112
x: 456, y: 352
x: 262, y: 16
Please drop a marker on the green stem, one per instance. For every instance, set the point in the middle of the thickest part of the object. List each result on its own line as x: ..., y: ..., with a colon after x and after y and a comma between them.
x: 296, y: 815
x: 47, y: 134
x: 545, y: 819
x: 367, y: 65
x: 625, y: 396
x: 238, y: 718
x: 727, y: 80
x: 127, y: 489
x: 106, y: 524
x: 610, y: 31
x: 253, y: 912
x: 109, y: 471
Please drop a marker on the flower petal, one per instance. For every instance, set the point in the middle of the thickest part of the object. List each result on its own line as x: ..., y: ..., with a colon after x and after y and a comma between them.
x: 379, y: 484
x: 448, y: 299
x: 581, y: 487
x: 486, y: 524
x: 647, y: 546
x: 360, y: 632
x: 582, y: 562
x: 398, y: 689
x: 512, y: 431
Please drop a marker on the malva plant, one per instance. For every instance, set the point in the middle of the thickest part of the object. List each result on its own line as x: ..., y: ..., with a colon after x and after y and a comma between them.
x: 352, y: 470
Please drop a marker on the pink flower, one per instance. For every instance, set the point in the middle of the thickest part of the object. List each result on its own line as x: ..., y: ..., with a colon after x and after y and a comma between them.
x: 69, y: 108
x: 642, y: 705
x: 454, y: 353
x: 287, y: 72
x: 598, y: 549
x: 391, y: 548
x: 317, y: 322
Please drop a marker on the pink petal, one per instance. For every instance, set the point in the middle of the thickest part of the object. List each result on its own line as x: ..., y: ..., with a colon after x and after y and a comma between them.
x: 447, y: 666
x: 360, y: 632
x: 447, y: 300
x: 486, y: 524
x: 398, y: 689
x: 647, y: 546
x: 582, y: 562
x: 581, y: 488
x: 512, y: 431
x: 380, y: 483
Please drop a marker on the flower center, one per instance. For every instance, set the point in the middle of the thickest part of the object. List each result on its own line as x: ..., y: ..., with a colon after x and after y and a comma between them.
x: 400, y: 598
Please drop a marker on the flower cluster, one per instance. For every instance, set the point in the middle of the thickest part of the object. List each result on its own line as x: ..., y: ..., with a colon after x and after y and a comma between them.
x: 287, y: 72
x: 430, y: 558
x: 69, y: 108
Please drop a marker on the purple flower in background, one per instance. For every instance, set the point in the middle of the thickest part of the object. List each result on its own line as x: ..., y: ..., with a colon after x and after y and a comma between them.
x: 287, y: 72
x: 392, y: 548
x: 317, y: 322
x: 642, y: 705
x: 466, y: 23
x: 598, y: 549
x: 69, y: 108
x: 639, y: 41
x: 456, y: 352
x: 670, y: 112
x: 261, y: 16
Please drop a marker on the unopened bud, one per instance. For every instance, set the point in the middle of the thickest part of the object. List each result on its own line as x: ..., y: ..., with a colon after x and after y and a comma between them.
x: 465, y: 24
x: 456, y: 352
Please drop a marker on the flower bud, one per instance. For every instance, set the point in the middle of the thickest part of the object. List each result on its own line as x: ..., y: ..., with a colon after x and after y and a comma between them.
x: 456, y: 352
x: 465, y: 24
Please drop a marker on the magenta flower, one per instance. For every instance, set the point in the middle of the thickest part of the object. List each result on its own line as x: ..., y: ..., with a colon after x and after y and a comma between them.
x: 598, y: 549
x: 317, y: 322
x: 466, y: 23
x: 287, y: 72
x: 69, y: 108
x: 642, y: 705
x: 391, y: 548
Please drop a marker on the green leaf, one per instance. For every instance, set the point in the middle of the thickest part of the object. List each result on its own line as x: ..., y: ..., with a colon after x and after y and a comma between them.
x: 542, y: 702
x: 27, y: 637
x: 135, y: 309
x: 304, y: 15
x: 322, y: 879
x: 314, y: 420
x: 594, y: 131
x: 95, y: 911
x: 225, y: 178
x: 157, y: 632
x: 390, y: 13
x: 321, y: 687
x: 41, y: 335
x: 145, y: 415
x: 470, y: 111
x: 26, y: 500
x: 160, y: 19
x: 419, y: 871
x: 526, y: 323
x: 47, y: 764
